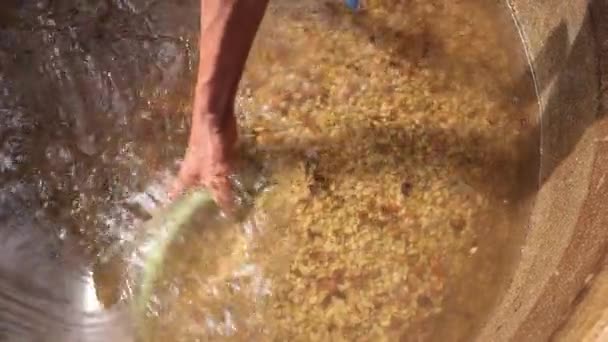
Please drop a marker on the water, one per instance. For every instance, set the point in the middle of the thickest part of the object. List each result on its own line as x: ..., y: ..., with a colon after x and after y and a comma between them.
x: 393, y: 152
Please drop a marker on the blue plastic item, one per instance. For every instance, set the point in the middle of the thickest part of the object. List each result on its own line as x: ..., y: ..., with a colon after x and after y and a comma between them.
x: 352, y: 4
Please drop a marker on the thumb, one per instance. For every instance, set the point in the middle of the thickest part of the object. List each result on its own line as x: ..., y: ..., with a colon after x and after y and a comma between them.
x: 186, y: 178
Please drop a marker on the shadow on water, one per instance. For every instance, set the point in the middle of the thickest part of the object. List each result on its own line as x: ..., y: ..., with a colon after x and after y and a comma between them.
x: 562, y: 66
x: 62, y: 84
x: 558, y: 62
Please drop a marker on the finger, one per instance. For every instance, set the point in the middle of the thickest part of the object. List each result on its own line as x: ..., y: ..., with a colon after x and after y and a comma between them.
x: 223, y: 194
x: 185, y: 179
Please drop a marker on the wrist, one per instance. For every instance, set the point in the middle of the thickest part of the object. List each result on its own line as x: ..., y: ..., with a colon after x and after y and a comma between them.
x: 213, y: 101
x: 213, y: 127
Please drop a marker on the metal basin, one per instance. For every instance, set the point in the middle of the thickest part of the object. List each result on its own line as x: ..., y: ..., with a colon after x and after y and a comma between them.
x: 149, y: 53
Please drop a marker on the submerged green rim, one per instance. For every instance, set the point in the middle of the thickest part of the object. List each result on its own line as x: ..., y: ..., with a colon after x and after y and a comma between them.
x: 162, y: 230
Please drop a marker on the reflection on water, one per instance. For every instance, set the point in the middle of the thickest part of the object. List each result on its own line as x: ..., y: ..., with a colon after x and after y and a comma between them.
x: 387, y: 149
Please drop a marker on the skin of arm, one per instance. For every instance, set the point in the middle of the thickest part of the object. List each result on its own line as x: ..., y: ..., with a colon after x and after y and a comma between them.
x: 228, y: 28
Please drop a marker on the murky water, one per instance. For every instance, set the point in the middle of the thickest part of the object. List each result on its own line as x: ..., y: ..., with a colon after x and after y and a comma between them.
x: 391, y: 152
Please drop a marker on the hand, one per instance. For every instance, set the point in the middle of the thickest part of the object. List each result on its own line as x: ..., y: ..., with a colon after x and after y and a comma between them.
x: 209, y: 160
x: 227, y: 33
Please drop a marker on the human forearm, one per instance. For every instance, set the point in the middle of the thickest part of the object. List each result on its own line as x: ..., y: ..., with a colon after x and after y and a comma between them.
x: 228, y: 28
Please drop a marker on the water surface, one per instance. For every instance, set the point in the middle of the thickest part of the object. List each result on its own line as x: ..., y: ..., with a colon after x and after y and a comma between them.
x: 391, y: 153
